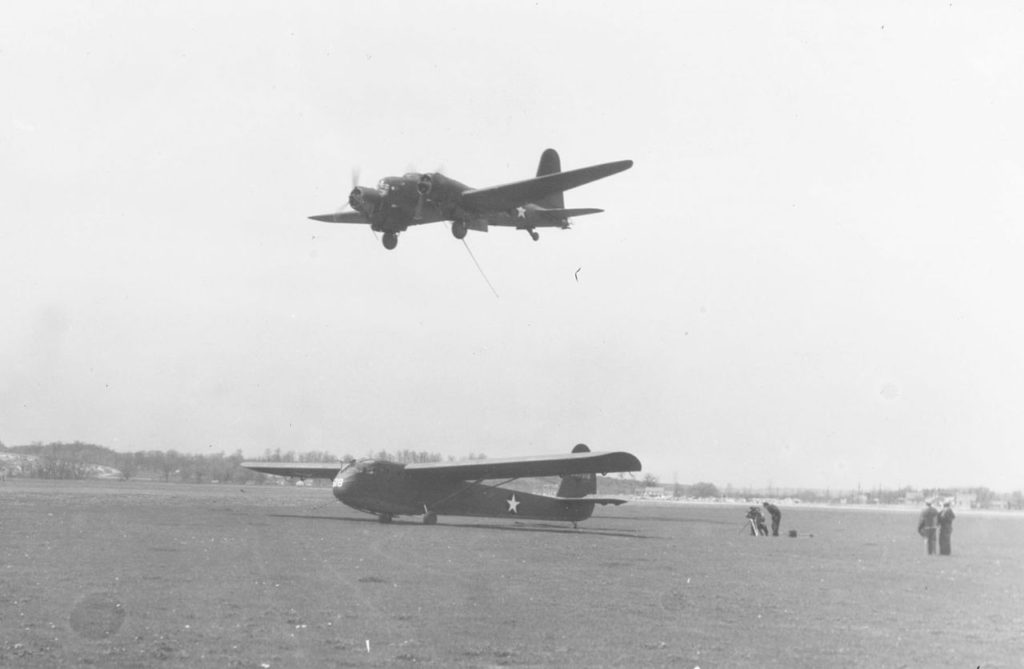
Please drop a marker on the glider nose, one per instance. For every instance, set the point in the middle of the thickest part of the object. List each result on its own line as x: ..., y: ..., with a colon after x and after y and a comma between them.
x: 343, y: 485
x: 339, y: 487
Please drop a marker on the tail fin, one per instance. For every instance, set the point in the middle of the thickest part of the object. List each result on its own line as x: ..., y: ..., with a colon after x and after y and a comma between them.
x: 550, y: 163
x: 577, y: 485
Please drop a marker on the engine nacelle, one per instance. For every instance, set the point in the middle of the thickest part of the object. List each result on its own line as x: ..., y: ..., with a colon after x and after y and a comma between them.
x: 439, y: 187
x: 425, y: 185
x: 364, y: 200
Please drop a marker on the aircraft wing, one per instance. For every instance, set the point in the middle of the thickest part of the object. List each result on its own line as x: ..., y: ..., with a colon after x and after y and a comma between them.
x: 541, y: 465
x: 302, y: 470
x: 342, y: 217
x: 509, y: 196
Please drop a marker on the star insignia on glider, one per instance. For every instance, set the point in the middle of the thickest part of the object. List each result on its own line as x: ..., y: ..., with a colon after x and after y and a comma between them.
x: 513, y: 504
x: 520, y: 212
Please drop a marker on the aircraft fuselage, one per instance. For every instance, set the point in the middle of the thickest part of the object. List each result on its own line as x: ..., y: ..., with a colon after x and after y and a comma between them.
x: 397, y: 203
x: 385, y: 488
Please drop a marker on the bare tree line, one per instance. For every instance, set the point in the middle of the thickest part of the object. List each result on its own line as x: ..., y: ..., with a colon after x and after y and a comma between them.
x: 80, y: 460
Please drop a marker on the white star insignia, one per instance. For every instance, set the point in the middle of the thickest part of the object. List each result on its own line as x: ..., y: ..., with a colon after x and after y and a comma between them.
x: 513, y: 504
x: 520, y: 212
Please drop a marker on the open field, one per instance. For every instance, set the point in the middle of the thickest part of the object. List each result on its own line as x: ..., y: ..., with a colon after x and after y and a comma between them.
x: 153, y: 575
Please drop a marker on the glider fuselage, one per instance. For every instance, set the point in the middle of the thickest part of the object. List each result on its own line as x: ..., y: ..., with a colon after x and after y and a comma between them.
x: 381, y: 487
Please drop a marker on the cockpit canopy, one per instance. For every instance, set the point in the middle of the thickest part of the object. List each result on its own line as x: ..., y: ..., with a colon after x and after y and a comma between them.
x: 355, y: 465
x: 366, y: 466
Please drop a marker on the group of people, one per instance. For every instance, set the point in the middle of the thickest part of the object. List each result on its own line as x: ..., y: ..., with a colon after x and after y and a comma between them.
x: 931, y: 525
x: 932, y: 520
x: 758, y: 526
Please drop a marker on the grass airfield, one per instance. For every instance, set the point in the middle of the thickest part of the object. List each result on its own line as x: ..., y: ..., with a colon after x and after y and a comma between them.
x: 158, y: 575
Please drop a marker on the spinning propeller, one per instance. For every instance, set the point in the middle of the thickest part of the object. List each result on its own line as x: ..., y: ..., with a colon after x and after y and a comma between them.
x: 356, y: 195
x: 423, y: 188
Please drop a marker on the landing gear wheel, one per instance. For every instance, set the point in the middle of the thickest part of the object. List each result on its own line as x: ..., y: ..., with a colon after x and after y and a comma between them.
x: 535, y: 235
x: 385, y: 518
x: 390, y: 240
x: 430, y: 519
x: 459, y: 229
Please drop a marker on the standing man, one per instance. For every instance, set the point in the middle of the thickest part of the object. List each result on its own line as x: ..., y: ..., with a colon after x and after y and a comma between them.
x: 927, y: 524
x: 946, y: 517
x: 776, y: 515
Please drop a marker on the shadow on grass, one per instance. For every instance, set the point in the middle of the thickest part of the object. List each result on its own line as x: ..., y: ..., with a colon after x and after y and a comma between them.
x: 700, y: 521
x: 518, y: 526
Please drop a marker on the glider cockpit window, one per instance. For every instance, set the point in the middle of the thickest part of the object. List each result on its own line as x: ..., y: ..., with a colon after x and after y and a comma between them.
x: 364, y: 466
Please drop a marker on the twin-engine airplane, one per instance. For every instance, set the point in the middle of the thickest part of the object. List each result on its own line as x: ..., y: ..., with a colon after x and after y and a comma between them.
x: 414, y: 199
x: 389, y: 489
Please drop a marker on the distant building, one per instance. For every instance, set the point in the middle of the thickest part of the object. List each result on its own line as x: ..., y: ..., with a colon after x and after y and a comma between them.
x: 968, y: 500
x: 914, y: 497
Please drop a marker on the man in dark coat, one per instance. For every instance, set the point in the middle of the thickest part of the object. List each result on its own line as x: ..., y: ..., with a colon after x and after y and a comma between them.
x: 945, y: 519
x: 927, y: 524
x: 776, y: 515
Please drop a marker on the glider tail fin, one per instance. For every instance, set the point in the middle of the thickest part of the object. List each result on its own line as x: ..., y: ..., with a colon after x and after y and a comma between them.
x: 550, y: 163
x: 577, y: 485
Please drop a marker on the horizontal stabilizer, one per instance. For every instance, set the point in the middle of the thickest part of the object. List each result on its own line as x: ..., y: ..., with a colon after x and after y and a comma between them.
x: 568, y: 213
x: 510, y: 196
x: 341, y: 217
x: 302, y: 470
x: 592, y: 500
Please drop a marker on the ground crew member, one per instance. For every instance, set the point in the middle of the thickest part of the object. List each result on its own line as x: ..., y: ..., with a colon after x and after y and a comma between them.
x: 757, y: 526
x: 776, y: 515
x: 927, y: 524
x: 945, y: 520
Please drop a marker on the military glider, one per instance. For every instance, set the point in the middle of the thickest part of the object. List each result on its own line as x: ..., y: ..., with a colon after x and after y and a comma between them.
x: 466, y: 488
x: 414, y: 199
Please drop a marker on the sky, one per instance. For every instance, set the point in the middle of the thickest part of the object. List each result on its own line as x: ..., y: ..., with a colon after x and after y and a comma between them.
x: 810, y: 278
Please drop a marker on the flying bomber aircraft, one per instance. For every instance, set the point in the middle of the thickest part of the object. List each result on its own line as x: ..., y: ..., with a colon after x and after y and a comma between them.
x: 389, y: 489
x: 414, y: 199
